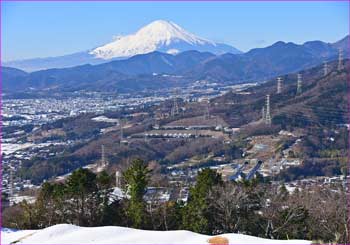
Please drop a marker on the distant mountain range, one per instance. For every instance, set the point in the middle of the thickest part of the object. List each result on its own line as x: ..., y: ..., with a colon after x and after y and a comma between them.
x: 163, y: 36
x: 156, y: 69
x: 279, y: 58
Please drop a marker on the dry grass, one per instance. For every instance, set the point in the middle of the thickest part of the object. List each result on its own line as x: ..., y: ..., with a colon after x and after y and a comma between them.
x: 218, y: 240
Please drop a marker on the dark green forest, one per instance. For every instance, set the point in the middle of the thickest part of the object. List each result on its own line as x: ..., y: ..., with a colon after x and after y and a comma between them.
x: 255, y: 207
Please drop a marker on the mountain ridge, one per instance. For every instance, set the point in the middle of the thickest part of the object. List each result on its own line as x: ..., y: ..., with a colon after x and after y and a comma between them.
x: 159, y: 35
x: 189, y: 66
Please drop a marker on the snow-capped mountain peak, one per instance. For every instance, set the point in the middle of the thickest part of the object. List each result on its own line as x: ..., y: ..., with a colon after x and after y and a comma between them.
x: 167, y: 31
x: 160, y: 35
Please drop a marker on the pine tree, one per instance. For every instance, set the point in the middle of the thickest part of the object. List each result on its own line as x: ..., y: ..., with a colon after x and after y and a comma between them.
x: 82, y: 189
x: 49, y: 205
x: 196, y: 215
x: 107, y: 210
x: 137, y: 178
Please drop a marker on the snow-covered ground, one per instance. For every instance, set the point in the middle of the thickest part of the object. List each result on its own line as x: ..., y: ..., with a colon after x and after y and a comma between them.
x: 70, y: 234
x: 11, y: 148
x: 105, y: 119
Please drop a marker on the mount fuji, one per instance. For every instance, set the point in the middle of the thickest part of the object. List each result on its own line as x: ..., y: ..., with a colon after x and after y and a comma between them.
x: 160, y: 35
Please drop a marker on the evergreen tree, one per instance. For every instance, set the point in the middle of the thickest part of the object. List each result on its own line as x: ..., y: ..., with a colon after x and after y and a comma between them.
x: 29, y: 215
x: 82, y: 189
x: 196, y: 215
x: 49, y: 206
x: 4, y: 200
x: 109, y: 211
x: 137, y: 179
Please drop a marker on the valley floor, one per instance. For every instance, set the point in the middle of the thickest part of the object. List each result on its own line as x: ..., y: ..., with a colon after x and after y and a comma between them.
x: 71, y: 234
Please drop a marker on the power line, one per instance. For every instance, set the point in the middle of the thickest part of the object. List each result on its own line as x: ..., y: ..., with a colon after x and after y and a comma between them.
x: 311, y: 117
x: 330, y: 110
x: 323, y: 108
x: 330, y: 113
x: 315, y: 114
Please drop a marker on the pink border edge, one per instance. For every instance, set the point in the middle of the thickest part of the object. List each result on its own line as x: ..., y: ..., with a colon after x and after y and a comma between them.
x: 348, y: 82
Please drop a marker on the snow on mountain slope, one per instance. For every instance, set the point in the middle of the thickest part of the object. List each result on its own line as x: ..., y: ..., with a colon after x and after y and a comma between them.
x: 70, y: 234
x: 160, y: 35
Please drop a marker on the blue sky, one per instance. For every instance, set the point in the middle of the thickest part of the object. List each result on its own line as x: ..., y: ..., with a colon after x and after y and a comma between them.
x: 42, y: 29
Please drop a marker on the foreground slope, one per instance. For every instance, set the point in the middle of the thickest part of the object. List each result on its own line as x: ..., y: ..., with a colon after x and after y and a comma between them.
x: 70, y: 234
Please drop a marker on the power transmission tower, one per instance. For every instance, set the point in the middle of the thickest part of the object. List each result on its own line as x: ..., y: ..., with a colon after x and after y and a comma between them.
x: 340, y: 60
x: 279, y: 85
x: 325, y: 68
x: 268, y: 115
x: 103, y: 156
x: 299, y: 84
x: 207, y: 111
x: 263, y: 113
x: 11, y: 193
x: 156, y: 124
x: 118, y: 179
x: 175, y: 108
x: 121, y: 131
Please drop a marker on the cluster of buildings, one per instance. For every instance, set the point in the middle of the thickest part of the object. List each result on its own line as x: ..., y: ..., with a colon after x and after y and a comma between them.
x: 23, y: 116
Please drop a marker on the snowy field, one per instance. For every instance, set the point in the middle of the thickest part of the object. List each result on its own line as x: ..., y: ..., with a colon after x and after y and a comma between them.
x: 11, y: 148
x: 70, y: 234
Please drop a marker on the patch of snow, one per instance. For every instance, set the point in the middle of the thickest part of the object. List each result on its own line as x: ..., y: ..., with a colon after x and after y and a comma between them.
x: 11, y: 148
x: 18, y: 199
x: 286, y: 133
x: 173, y: 51
x: 118, y: 194
x: 105, y: 119
x: 71, y: 234
x: 291, y: 189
